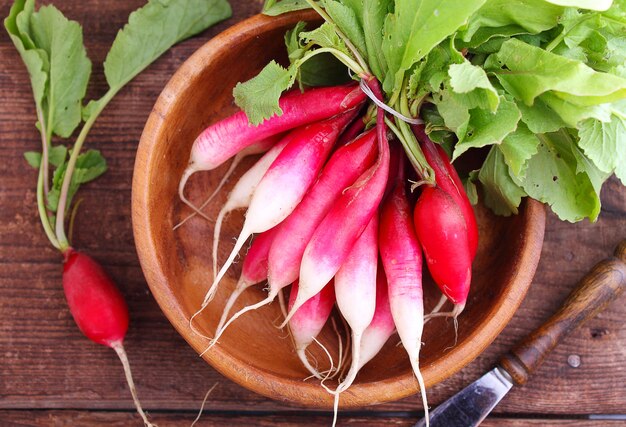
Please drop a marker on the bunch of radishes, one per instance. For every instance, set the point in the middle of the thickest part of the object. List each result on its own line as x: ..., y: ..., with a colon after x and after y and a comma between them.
x: 325, y: 203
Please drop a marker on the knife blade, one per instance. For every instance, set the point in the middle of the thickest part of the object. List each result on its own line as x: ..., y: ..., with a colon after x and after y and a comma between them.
x: 468, y: 408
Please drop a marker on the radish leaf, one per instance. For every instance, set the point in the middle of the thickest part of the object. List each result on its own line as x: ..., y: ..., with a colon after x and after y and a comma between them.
x: 502, y: 194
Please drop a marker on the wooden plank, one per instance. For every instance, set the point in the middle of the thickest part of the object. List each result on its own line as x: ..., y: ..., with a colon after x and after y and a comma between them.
x: 184, y: 419
x: 48, y: 364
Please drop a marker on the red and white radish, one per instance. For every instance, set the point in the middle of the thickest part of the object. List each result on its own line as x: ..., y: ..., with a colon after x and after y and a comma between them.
x: 342, y: 170
x: 222, y: 140
x: 98, y: 308
x: 306, y: 324
x: 242, y: 192
x: 448, y: 179
x: 339, y: 230
x: 442, y: 231
x: 257, y: 148
x: 402, y: 260
x: 293, y: 172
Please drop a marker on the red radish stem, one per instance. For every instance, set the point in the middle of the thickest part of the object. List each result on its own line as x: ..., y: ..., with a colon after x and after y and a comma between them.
x: 222, y: 140
x: 98, y: 309
x: 342, y: 170
x: 241, y: 194
x: 293, y: 172
x: 402, y: 259
x: 442, y: 230
x: 306, y: 324
x: 253, y: 270
x: 258, y: 148
x: 355, y: 289
x: 448, y: 179
x: 339, y: 230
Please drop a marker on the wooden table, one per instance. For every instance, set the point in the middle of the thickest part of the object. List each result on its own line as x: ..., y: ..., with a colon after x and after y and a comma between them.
x: 51, y: 375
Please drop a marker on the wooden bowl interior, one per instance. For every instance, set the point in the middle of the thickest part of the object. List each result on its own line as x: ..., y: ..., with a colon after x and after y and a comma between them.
x: 253, y: 352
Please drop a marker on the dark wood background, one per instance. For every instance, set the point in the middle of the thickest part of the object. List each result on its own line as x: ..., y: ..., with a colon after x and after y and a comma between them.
x: 51, y: 375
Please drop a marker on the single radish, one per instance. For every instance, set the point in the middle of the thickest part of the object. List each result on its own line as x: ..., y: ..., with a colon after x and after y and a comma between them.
x: 286, y: 182
x: 448, y: 179
x: 306, y: 324
x: 355, y: 290
x: 402, y: 260
x: 241, y: 193
x: 222, y: 140
x: 442, y: 231
x: 339, y: 230
x: 342, y: 170
x: 253, y: 270
x: 98, y: 308
x: 257, y: 148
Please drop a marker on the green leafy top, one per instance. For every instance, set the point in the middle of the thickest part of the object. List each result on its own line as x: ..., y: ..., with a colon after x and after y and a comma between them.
x: 52, y: 49
x: 538, y: 84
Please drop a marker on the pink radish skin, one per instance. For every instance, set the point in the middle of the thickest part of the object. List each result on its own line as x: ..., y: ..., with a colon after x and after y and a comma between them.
x: 257, y: 148
x: 253, y: 270
x: 442, y: 230
x: 402, y: 260
x: 98, y: 308
x: 448, y: 179
x: 342, y: 170
x: 355, y: 289
x: 308, y: 321
x: 241, y: 194
x: 339, y: 230
x: 222, y: 140
x: 293, y: 172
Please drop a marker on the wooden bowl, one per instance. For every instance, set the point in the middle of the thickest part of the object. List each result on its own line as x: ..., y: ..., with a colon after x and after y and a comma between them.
x: 253, y: 353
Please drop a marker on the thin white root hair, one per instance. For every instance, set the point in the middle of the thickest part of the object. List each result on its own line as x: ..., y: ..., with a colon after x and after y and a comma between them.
x: 436, y: 309
x: 282, y: 303
x: 348, y: 355
x: 330, y: 360
x: 181, y: 191
x: 244, y: 310
x: 193, y: 328
x: 206, y: 396
x: 301, y: 352
x: 242, y: 285
x: 236, y: 160
x: 121, y: 353
x: 340, y: 345
x: 241, y: 240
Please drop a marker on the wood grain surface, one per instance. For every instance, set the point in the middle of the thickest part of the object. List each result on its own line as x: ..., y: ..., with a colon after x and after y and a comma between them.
x: 51, y: 375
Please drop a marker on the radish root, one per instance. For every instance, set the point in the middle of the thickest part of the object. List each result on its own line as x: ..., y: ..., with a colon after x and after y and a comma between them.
x: 121, y: 353
x: 206, y: 396
x: 181, y: 191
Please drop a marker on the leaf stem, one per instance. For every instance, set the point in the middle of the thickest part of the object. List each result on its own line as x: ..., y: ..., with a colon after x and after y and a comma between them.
x: 71, y: 164
x: 346, y: 40
x: 43, y: 211
x: 45, y: 156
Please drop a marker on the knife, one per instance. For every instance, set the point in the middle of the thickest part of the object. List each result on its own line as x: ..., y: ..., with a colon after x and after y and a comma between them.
x: 468, y: 408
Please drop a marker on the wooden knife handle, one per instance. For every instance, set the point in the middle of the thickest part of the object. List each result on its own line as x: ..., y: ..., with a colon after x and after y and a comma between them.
x: 594, y: 292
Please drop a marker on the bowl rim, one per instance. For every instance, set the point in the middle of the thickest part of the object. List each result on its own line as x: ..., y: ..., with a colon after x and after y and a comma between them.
x: 263, y: 382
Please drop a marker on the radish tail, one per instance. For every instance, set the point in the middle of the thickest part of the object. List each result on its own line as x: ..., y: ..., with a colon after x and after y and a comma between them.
x: 244, y: 310
x: 242, y: 285
x: 436, y: 309
x: 181, y: 191
x: 305, y: 361
x: 420, y: 380
x: 241, y: 240
x: 216, y: 235
x: 206, y: 396
x: 227, y: 175
x: 121, y: 353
